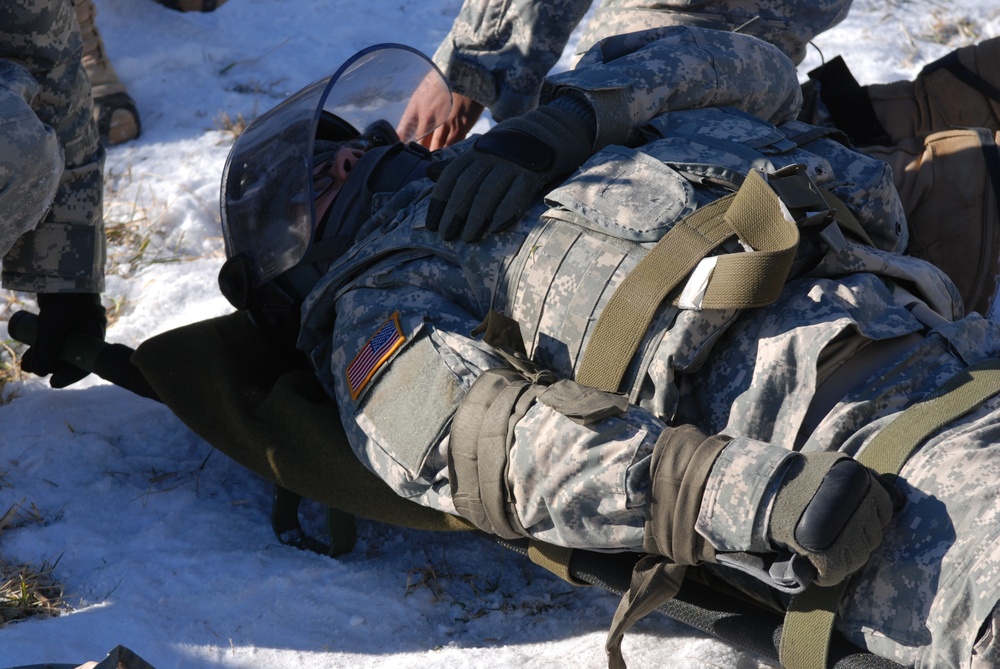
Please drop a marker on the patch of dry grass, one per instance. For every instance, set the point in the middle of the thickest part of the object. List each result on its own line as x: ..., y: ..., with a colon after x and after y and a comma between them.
x: 26, y: 590
x: 233, y: 126
x: 136, y: 225
x: 956, y: 31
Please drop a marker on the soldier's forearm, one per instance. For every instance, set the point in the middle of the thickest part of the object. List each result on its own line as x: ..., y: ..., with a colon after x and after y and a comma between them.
x: 632, y: 78
x: 499, y: 53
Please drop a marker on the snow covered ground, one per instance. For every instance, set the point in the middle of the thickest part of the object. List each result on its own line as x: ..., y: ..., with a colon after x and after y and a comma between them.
x: 164, y: 545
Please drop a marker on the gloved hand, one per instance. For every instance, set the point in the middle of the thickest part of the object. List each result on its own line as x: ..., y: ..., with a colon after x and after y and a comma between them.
x: 494, y: 183
x: 59, y: 316
x: 832, y: 510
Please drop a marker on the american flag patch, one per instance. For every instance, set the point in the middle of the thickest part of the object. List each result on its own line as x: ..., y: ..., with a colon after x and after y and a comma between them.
x: 379, y: 348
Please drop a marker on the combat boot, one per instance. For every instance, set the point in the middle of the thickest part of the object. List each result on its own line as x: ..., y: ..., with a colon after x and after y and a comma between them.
x: 960, y: 90
x: 114, y: 110
x: 192, y: 5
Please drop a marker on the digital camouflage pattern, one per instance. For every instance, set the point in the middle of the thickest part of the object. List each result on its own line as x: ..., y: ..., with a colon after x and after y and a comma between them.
x: 498, y: 53
x: 763, y: 376
x: 46, y: 126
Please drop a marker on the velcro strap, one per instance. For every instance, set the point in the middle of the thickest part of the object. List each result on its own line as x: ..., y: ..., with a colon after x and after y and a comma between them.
x: 680, y: 464
x: 655, y: 581
x: 477, y: 456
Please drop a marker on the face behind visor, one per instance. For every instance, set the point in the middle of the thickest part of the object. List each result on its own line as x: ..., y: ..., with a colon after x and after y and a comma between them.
x: 276, y: 247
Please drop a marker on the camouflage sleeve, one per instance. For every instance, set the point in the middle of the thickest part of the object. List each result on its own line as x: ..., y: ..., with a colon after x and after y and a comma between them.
x: 745, y: 476
x: 787, y: 24
x: 65, y: 252
x: 629, y: 79
x: 498, y: 53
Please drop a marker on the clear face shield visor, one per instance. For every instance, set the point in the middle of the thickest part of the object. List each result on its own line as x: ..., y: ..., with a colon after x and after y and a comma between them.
x: 268, y: 184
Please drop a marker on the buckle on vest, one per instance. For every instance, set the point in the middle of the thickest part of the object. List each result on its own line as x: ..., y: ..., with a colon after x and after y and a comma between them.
x: 801, y: 196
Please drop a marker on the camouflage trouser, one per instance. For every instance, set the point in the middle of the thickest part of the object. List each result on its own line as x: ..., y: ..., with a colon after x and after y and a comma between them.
x: 40, y: 64
x: 31, y: 159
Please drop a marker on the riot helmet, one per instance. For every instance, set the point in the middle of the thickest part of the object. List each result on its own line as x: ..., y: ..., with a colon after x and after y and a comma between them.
x: 278, y: 242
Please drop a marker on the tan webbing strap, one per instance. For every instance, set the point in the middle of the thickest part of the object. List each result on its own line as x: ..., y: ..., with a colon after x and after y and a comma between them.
x: 740, y: 280
x: 755, y: 279
x: 962, y: 393
x: 805, y: 636
x: 553, y: 558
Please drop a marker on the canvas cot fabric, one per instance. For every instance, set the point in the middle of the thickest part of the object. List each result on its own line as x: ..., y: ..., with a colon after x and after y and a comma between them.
x: 498, y: 52
x: 50, y: 153
x: 689, y: 117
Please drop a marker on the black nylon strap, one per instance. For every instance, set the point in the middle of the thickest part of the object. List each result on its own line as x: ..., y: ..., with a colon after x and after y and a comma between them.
x: 952, y: 64
x: 848, y: 103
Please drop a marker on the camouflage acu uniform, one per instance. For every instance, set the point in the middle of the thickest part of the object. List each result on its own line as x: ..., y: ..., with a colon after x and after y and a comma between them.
x: 388, y: 329
x: 498, y: 53
x: 51, y: 160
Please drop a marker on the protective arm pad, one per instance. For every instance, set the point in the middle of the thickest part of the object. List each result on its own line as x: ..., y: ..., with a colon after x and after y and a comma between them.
x: 681, y: 463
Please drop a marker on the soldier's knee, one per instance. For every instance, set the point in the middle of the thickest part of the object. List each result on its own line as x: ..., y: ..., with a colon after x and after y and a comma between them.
x: 31, y: 164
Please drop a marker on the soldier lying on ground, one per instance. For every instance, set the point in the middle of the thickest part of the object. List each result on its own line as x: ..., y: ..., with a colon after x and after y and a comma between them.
x: 595, y: 434
x: 678, y: 349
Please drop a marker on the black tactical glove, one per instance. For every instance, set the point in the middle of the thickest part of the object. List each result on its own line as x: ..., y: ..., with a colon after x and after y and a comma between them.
x: 832, y: 510
x: 59, y: 316
x: 494, y: 183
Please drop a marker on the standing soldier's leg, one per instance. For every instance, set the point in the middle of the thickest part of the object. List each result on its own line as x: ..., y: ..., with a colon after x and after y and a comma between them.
x: 65, y: 253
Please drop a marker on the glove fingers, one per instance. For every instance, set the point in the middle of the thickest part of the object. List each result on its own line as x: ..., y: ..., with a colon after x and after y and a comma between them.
x: 452, y: 222
x: 42, y: 358
x: 459, y: 198
x: 859, y: 539
x: 445, y: 185
x: 493, y: 197
x: 520, y: 197
x: 896, y: 496
x: 66, y: 375
x: 61, y: 315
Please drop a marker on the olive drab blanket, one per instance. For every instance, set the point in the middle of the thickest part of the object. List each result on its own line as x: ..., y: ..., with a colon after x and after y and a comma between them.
x: 263, y: 407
